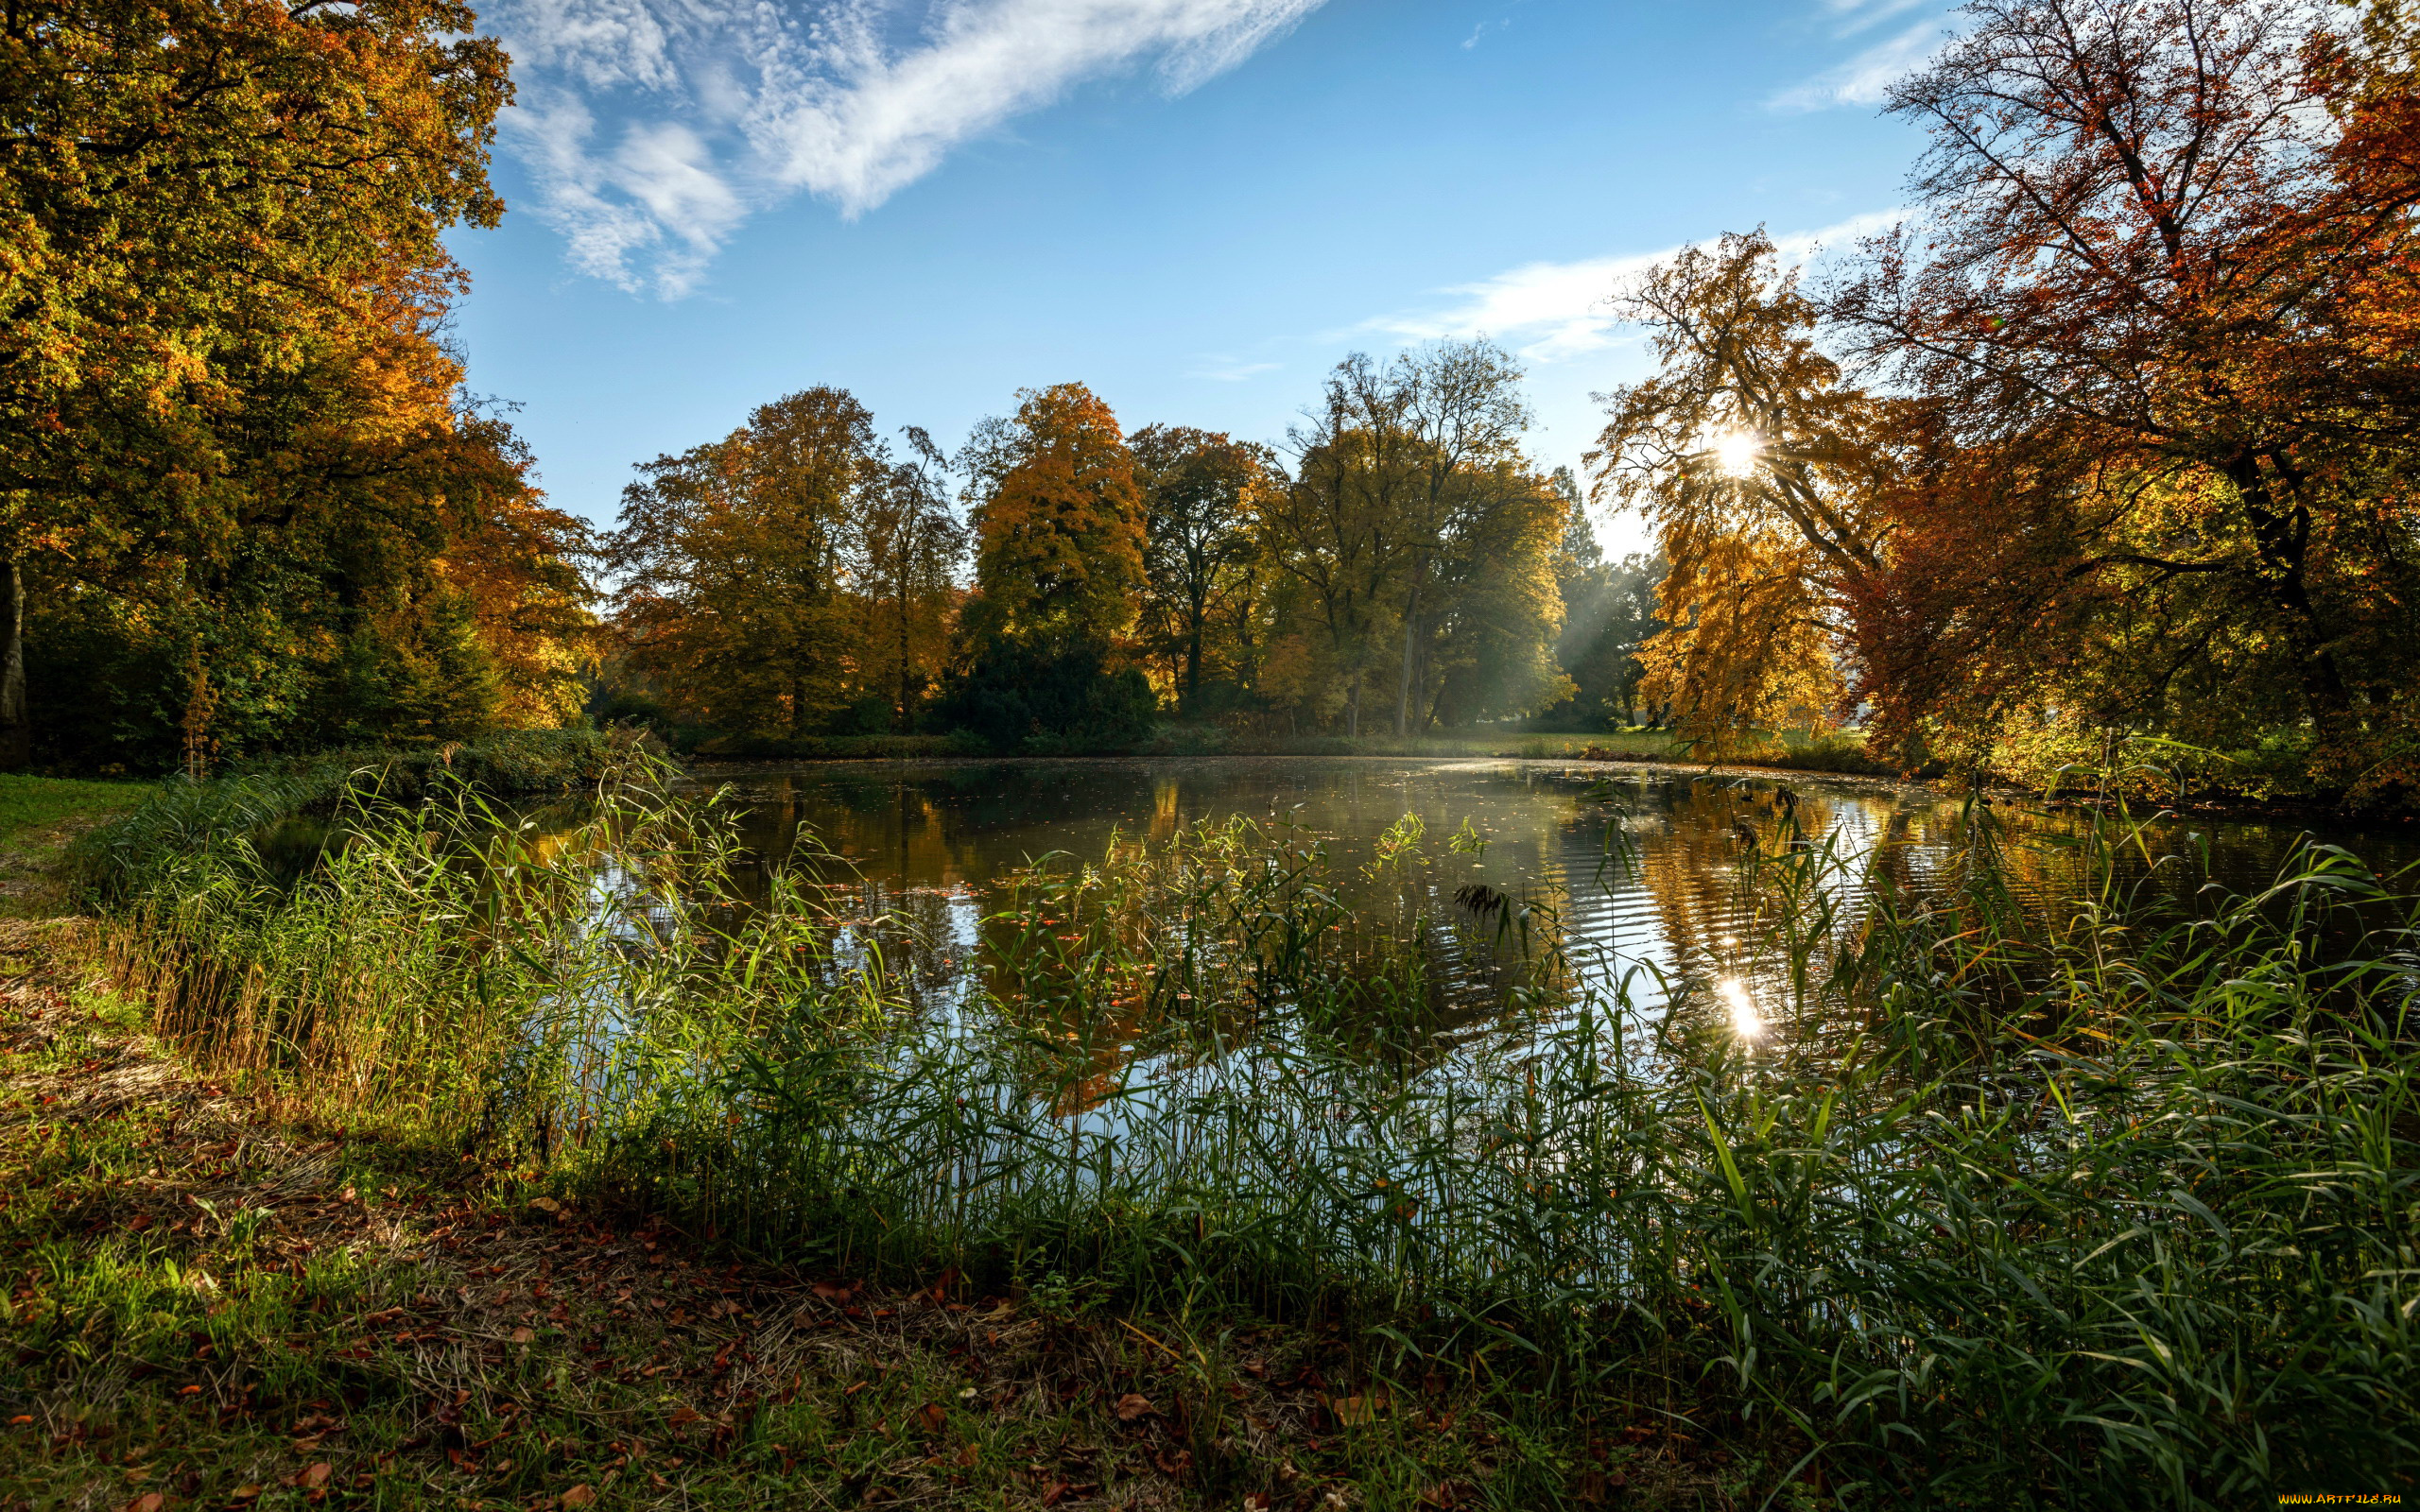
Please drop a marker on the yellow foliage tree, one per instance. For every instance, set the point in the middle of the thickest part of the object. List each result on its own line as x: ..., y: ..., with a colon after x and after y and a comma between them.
x: 1759, y: 469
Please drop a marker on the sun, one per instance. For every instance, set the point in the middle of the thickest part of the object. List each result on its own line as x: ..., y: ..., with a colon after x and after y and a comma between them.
x: 1736, y: 452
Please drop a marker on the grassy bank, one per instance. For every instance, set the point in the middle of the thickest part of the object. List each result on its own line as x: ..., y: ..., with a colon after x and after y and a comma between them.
x: 181, y: 818
x: 2091, y: 1206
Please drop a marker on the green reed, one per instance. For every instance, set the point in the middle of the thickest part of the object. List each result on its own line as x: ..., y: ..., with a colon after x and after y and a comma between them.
x: 2107, y: 1199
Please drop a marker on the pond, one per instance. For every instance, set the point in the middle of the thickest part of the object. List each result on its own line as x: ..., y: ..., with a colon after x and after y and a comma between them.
x: 1635, y: 871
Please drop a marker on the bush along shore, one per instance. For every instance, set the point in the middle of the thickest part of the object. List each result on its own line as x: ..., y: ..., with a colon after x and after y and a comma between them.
x: 543, y: 1169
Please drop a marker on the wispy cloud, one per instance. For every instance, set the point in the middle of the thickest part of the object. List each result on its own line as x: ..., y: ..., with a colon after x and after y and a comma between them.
x: 1554, y: 312
x: 1233, y: 373
x: 1853, y: 16
x: 655, y: 128
x: 1866, y: 77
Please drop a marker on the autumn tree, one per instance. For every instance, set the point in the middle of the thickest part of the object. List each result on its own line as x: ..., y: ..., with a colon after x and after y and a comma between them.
x: 1058, y: 527
x: 1059, y: 576
x: 225, y: 271
x: 734, y: 584
x: 2165, y: 275
x: 1758, y: 468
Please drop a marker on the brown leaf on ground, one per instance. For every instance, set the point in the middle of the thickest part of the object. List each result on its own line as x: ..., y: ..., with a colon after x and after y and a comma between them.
x: 931, y: 1416
x: 582, y: 1495
x: 1134, y: 1405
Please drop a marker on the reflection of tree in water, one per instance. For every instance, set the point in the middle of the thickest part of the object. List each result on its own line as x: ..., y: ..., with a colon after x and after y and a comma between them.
x: 926, y: 848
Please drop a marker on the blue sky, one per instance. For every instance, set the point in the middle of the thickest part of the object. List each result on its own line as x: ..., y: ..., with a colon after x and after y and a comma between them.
x: 1194, y: 206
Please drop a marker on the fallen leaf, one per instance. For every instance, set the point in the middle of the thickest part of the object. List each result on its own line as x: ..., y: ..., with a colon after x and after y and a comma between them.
x: 1355, y: 1411
x: 1134, y: 1405
x: 968, y: 1457
x: 1057, y: 1491
x: 147, y: 1502
x: 245, y: 1493
x: 1174, y: 1465
x: 524, y: 1335
x: 317, y: 1476
x: 546, y: 1205
x: 931, y: 1415
x: 582, y: 1495
x: 685, y: 1417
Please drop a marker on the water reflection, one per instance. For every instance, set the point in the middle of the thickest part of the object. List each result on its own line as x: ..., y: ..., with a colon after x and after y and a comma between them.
x: 1622, y: 873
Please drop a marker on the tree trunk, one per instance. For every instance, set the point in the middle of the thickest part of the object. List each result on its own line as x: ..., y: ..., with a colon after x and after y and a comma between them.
x: 16, y: 734
x: 2281, y: 538
x: 1411, y: 628
x: 1192, y: 663
x: 902, y: 656
x: 1352, y: 711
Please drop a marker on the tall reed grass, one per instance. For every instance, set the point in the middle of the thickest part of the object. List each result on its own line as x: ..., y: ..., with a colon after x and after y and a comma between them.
x: 1980, y: 1202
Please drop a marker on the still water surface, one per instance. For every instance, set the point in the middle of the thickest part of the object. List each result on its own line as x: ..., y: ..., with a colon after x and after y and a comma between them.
x: 1639, y: 865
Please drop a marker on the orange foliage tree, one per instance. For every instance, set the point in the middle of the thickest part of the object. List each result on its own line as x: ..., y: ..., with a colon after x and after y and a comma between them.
x: 1059, y: 524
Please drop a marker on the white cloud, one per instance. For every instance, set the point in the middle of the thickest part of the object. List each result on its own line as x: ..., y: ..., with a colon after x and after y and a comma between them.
x: 1865, y: 78
x: 722, y: 107
x: 1555, y: 312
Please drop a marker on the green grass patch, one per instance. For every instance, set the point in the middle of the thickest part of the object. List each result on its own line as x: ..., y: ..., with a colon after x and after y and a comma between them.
x: 33, y: 804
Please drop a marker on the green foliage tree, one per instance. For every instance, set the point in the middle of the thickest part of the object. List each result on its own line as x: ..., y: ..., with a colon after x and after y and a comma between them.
x: 1609, y: 612
x: 1201, y: 490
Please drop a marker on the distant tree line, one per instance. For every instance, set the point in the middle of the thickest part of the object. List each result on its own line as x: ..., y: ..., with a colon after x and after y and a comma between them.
x: 1398, y: 566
